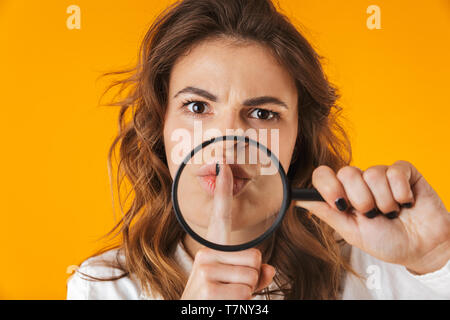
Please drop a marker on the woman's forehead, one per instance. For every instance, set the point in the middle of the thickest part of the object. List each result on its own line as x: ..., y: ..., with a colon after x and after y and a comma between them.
x: 216, y: 66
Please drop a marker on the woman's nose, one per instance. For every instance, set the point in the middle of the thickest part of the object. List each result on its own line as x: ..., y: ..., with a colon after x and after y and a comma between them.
x: 229, y: 121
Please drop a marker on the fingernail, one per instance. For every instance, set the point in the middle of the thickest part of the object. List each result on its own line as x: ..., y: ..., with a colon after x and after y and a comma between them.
x: 406, y: 205
x: 392, y: 214
x: 217, y: 169
x: 372, y: 213
x: 341, y: 204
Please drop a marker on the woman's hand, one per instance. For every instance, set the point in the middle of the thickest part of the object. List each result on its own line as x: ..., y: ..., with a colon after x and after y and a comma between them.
x: 392, y: 213
x: 218, y: 275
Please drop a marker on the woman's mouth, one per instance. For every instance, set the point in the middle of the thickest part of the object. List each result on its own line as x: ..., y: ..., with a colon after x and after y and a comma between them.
x: 208, y: 183
x: 207, y: 178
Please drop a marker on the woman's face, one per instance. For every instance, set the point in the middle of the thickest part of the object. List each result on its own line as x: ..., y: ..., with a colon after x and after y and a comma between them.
x: 212, y: 92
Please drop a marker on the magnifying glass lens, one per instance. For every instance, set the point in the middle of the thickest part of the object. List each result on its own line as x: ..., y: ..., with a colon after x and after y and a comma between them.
x: 230, y: 192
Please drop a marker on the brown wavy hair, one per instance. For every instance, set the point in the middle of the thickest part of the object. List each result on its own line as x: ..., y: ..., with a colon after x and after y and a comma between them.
x: 304, y: 249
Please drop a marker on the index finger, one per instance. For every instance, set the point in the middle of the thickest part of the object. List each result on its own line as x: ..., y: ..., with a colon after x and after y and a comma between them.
x: 219, y: 228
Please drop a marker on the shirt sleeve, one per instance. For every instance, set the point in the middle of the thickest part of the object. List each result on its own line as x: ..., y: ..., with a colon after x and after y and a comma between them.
x: 382, y: 280
x: 438, y: 281
x: 81, y: 287
x: 77, y: 288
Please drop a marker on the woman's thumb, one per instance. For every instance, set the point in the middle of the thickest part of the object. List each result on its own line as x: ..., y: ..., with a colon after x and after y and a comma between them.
x: 266, y: 276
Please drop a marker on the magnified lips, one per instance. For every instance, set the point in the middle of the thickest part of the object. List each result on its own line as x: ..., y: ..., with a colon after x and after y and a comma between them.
x: 237, y: 170
x: 207, y: 178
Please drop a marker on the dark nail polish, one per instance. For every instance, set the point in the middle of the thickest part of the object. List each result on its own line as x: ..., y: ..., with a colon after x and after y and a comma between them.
x: 406, y: 205
x: 372, y: 213
x: 217, y: 169
x: 341, y: 204
x: 392, y: 215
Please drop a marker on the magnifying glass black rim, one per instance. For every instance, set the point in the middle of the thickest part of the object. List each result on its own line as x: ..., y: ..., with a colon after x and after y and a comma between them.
x: 246, y: 245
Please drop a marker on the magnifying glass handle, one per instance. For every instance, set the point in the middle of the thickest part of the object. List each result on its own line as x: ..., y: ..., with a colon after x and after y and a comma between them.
x: 306, y: 194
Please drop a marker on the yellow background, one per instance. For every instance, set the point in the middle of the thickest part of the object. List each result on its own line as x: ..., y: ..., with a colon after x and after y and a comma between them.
x: 54, y: 192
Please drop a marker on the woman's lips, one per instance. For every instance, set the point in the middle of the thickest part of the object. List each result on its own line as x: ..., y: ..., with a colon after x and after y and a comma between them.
x: 207, y: 178
x: 237, y: 170
x: 208, y: 183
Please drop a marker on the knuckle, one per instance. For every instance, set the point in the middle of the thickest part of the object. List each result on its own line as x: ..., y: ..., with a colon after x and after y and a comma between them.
x: 209, y: 290
x: 321, y: 169
x: 373, y: 174
x: 254, y: 277
x: 323, y: 180
x: 328, y: 189
x: 395, y: 173
x: 202, y: 255
x: 203, y: 271
x: 348, y: 173
x: 244, y: 292
x: 255, y: 256
x: 402, y: 162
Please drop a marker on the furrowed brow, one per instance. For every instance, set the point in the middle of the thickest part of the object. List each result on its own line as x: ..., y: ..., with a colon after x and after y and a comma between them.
x: 253, y: 102
x: 198, y: 91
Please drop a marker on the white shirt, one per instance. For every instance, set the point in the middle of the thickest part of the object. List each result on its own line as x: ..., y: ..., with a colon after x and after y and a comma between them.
x: 383, y: 280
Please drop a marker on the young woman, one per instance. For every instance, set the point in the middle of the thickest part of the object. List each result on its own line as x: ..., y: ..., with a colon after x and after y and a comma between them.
x: 241, y: 64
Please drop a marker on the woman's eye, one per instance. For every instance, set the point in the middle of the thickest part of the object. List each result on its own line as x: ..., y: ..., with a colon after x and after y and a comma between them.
x: 263, y: 114
x: 196, y: 107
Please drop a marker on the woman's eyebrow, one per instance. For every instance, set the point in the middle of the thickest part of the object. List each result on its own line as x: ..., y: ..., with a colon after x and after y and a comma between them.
x: 249, y: 102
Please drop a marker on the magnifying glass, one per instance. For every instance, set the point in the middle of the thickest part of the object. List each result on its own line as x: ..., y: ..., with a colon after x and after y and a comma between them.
x: 258, y: 197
